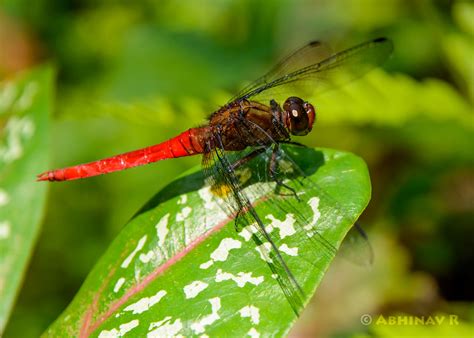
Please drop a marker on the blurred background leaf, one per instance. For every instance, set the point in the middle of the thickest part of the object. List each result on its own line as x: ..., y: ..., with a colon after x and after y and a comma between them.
x: 25, y: 107
x: 133, y: 74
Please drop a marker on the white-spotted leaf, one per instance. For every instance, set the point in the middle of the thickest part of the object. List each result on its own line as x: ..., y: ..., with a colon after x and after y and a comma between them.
x: 25, y: 105
x: 180, y: 268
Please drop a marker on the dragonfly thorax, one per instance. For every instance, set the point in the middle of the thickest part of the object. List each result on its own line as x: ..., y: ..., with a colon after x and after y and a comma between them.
x: 299, y: 116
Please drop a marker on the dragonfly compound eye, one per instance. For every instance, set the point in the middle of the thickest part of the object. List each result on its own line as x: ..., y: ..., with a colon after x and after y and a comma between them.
x: 308, y: 107
x: 299, y: 116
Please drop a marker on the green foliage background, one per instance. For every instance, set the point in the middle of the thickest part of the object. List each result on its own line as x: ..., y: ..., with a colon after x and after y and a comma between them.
x: 133, y: 74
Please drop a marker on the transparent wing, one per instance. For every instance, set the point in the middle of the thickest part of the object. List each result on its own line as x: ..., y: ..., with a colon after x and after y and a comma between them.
x: 311, y: 70
x: 225, y: 184
x: 313, y: 52
x: 240, y: 180
x: 356, y: 248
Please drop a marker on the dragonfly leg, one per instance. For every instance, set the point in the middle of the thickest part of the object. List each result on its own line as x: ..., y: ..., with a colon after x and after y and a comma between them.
x: 294, y: 143
x: 273, y: 171
x: 247, y: 158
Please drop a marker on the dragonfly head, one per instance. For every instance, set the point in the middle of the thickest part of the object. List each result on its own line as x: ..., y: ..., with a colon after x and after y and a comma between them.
x: 299, y: 116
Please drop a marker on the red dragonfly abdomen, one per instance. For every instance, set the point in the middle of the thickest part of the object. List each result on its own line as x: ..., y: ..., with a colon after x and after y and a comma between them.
x: 189, y: 143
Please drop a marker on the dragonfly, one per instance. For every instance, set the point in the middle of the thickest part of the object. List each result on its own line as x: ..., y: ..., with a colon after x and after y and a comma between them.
x: 253, y: 126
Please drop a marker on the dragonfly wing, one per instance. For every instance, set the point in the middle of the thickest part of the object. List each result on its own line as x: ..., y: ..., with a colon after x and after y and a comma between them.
x: 238, y: 188
x: 356, y: 247
x: 232, y: 198
x: 305, y: 75
x: 241, y: 179
x: 309, y: 225
x: 313, y: 52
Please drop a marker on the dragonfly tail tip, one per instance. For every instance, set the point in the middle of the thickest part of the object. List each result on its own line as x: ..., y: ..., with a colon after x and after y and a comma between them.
x: 43, y: 177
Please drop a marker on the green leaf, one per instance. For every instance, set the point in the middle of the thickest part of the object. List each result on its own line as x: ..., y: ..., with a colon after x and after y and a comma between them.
x: 180, y: 267
x: 25, y: 105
